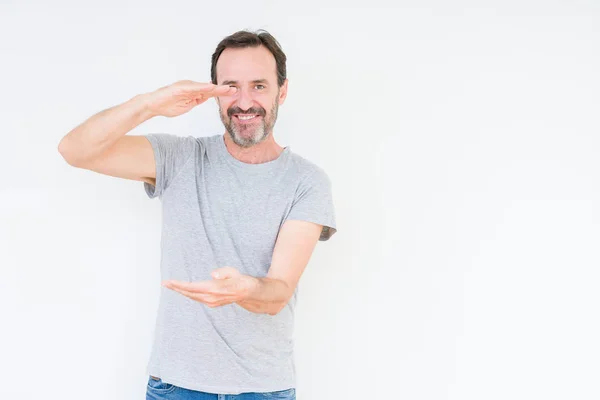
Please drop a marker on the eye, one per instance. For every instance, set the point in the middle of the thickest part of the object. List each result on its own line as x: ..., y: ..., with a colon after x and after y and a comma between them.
x: 260, y: 87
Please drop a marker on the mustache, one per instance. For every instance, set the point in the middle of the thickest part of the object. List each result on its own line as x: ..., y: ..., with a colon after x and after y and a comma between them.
x: 252, y: 110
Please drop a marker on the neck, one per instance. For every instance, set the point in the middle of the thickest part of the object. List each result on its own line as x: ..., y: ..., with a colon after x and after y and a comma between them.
x: 265, y: 151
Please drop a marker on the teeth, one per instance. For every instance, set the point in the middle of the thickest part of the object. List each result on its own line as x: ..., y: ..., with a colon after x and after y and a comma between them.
x: 246, y: 117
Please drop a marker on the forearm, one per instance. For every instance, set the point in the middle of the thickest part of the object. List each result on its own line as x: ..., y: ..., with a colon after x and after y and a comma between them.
x: 99, y: 132
x: 268, y: 296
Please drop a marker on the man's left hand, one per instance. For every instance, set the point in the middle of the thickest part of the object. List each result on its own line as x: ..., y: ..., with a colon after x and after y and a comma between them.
x: 228, y: 286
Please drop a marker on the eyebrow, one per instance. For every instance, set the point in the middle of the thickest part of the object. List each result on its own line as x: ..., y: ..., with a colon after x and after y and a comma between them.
x: 235, y: 82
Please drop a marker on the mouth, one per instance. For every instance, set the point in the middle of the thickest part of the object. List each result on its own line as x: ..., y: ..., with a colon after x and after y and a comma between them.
x: 247, y: 118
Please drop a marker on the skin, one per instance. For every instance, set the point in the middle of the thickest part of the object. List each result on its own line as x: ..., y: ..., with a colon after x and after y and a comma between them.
x: 252, y: 71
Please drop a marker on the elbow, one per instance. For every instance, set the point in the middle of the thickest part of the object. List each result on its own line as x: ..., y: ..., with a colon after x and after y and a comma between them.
x: 68, y: 153
x: 65, y: 152
x: 276, y: 308
x: 273, y: 312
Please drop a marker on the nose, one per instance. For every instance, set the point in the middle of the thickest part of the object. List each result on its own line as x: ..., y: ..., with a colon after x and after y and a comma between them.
x: 244, y: 98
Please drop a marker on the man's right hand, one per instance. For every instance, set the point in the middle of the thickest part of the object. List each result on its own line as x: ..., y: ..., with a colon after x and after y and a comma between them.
x: 182, y: 96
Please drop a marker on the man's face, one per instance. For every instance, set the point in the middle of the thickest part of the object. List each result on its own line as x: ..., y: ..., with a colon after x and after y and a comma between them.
x: 250, y: 114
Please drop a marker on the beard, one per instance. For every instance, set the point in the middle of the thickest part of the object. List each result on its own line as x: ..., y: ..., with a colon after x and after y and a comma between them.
x: 249, y: 134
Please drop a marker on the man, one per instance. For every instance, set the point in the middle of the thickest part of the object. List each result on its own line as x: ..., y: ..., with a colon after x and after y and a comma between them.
x: 241, y: 217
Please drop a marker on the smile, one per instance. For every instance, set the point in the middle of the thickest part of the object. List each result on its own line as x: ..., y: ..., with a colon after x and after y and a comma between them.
x: 246, y: 117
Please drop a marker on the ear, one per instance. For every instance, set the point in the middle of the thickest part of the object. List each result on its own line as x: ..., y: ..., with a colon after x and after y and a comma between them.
x: 283, y: 92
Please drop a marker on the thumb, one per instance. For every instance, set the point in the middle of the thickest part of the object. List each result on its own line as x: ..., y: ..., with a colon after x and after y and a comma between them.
x: 225, y: 273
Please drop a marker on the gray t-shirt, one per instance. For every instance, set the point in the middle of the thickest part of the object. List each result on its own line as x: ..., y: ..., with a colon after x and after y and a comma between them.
x: 218, y: 211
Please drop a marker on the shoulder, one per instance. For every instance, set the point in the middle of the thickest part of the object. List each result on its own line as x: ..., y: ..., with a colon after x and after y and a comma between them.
x: 172, y: 140
x: 308, y: 171
x: 209, y: 141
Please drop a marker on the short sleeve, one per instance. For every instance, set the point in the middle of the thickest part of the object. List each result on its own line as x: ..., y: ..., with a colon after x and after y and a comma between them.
x: 171, y: 152
x: 314, y: 203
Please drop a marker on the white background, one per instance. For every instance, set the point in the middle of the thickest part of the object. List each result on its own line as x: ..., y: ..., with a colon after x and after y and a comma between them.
x: 462, y: 142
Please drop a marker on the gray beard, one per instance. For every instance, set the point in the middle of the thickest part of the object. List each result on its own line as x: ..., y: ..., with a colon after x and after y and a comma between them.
x: 261, y: 132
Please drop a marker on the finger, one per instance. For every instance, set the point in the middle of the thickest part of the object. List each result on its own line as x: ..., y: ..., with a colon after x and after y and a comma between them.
x: 196, y: 287
x: 209, y: 89
x: 191, y: 295
x: 191, y: 86
x: 223, y: 90
x: 214, y: 287
x: 209, y: 300
x: 195, y: 296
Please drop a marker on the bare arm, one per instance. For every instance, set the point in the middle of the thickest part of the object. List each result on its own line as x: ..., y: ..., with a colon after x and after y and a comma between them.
x: 100, y: 143
x: 295, y: 244
x: 100, y: 132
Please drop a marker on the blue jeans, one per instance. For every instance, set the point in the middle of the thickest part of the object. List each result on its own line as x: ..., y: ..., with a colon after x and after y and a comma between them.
x: 159, y: 390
